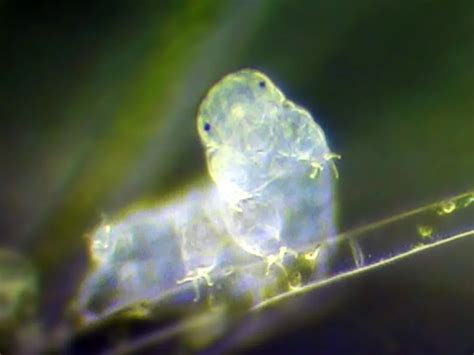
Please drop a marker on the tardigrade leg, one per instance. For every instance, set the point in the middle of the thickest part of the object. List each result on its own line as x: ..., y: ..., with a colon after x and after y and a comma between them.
x: 277, y: 259
x: 194, y: 276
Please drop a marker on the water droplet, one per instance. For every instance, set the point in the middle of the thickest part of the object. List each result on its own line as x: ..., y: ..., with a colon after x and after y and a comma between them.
x: 417, y: 246
x: 425, y: 231
x: 469, y: 200
x: 446, y: 207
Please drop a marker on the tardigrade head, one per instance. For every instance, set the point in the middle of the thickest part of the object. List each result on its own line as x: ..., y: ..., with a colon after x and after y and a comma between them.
x: 238, y: 111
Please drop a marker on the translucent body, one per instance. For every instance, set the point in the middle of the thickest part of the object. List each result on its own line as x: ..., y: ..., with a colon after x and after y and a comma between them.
x: 270, y: 162
x: 136, y: 259
x: 149, y: 253
x: 272, y: 191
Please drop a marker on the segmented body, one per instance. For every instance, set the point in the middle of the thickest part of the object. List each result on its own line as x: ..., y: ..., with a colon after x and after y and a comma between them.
x: 271, y: 163
x: 272, y: 190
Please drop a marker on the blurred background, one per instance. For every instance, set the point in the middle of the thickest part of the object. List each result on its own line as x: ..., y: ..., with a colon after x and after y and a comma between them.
x: 98, y: 104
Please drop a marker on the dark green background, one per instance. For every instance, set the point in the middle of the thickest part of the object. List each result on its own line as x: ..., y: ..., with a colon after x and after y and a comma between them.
x: 98, y: 102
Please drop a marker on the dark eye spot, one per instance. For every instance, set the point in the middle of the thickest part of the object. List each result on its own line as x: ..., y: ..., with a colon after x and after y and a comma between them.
x: 207, y: 127
x: 262, y: 84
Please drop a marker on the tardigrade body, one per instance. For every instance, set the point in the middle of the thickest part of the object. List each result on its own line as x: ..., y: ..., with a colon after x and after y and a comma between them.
x: 270, y: 162
x: 271, y: 165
